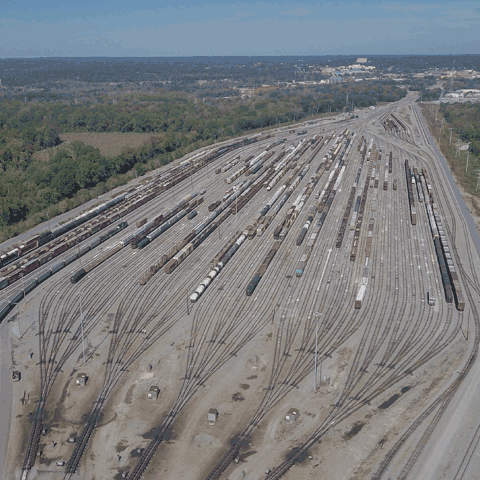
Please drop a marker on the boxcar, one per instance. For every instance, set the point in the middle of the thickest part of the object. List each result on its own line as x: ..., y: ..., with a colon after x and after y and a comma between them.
x: 31, y: 265
x: 60, y: 248
x: 45, y: 258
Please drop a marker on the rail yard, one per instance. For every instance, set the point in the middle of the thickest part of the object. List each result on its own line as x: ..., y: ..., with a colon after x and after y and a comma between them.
x: 313, y: 289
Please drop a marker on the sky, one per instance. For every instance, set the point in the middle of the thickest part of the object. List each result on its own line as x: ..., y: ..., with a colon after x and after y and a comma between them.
x: 120, y: 28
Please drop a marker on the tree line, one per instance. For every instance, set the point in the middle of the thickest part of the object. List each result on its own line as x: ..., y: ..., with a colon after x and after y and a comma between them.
x: 465, y: 119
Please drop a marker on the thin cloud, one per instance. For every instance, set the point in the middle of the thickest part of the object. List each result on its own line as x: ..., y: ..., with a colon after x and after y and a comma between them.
x: 408, y: 8
x: 298, y: 12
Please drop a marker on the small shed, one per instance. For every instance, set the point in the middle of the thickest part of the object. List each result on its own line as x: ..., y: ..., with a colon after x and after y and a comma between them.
x: 212, y: 416
x: 152, y: 393
x: 81, y: 379
x: 292, y: 415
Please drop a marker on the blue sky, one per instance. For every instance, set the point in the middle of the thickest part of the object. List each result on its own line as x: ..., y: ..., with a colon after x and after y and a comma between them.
x: 36, y: 28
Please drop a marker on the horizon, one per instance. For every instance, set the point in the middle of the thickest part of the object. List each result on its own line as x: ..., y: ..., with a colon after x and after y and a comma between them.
x: 358, y: 55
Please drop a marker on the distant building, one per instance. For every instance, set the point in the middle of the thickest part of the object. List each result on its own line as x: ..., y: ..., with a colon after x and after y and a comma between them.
x: 361, y: 60
x: 471, y: 92
x: 335, y: 79
x: 327, y: 70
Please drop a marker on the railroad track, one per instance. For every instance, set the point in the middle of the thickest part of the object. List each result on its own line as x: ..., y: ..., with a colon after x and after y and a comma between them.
x: 199, y: 361
x: 53, y: 335
x: 388, y: 351
x: 439, y: 405
x: 112, y: 376
x: 274, y: 394
x: 284, y: 467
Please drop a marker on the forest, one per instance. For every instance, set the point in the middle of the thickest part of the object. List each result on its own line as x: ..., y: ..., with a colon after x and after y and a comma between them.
x: 464, y: 118
x: 454, y: 125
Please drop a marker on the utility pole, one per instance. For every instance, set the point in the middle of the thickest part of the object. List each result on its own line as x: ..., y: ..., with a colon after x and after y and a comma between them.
x: 316, y: 355
x: 450, y: 141
x: 468, y: 327
x: 317, y: 316
x: 466, y: 166
x: 80, y: 294
x: 457, y: 149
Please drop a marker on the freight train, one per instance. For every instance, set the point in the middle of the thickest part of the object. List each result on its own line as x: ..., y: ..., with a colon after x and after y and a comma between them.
x: 10, y: 303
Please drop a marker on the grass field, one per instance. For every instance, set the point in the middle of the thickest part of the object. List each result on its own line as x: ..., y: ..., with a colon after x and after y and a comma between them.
x: 110, y: 144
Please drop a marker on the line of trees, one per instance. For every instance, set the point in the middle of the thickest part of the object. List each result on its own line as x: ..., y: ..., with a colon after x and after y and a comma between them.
x: 465, y: 119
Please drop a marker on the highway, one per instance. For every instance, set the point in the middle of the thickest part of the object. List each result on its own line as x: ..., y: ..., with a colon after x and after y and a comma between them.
x: 346, y: 305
